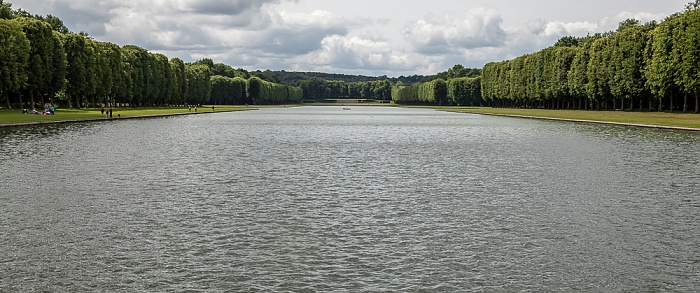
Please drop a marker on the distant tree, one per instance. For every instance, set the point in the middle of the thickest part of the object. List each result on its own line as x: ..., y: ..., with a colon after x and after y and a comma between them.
x: 41, y: 65
x: 57, y: 24
x: 177, y: 67
x: 78, y: 74
x: 688, y: 42
x: 198, y: 83
x: 14, y: 58
x: 222, y: 90
x: 567, y: 42
x: 661, y: 70
x: 6, y: 10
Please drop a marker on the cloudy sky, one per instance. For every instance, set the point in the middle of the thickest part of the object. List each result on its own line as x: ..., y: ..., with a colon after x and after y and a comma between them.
x: 370, y: 37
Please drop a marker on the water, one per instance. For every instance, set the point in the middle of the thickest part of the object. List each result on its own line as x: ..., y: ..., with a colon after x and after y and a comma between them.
x: 371, y: 199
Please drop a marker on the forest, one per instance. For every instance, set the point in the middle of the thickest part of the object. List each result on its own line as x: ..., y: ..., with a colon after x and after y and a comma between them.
x: 651, y: 66
x: 41, y: 61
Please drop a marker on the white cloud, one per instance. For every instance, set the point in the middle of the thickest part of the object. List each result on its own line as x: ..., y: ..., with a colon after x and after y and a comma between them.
x: 436, y: 35
x: 364, y: 56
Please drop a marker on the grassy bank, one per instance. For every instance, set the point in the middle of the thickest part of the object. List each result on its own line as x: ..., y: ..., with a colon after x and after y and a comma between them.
x: 686, y: 120
x: 8, y: 117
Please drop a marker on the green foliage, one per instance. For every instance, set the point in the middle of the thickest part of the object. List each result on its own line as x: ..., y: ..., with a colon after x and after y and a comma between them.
x: 14, y: 58
x: 80, y: 80
x: 465, y: 91
x: 6, y: 10
x: 228, y: 91
x: 265, y: 92
x: 433, y: 92
x: 402, y: 94
x: 199, y: 84
x: 635, y: 62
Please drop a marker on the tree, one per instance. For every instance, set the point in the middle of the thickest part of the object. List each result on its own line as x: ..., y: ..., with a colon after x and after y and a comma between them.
x: 689, y: 45
x: 177, y: 67
x: 661, y: 70
x: 628, y: 61
x: 14, y: 58
x: 599, y: 71
x: 41, y: 64
x: 6, y: 10
x: 222, y: 90
x: 198, y: 83
x: 78, y: 75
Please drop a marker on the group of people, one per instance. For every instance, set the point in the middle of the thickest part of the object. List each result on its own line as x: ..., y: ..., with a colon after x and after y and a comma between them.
x: 109, y: 112
x: 48, y: 110
x: 189, y: 108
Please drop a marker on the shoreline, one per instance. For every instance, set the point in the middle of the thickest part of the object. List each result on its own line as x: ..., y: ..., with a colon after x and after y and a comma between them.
x: 40, y: 123
x: 651, y: 126
x: 636, y: 125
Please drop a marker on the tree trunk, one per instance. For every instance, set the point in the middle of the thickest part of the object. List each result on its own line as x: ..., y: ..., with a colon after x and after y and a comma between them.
x: 7, y: 100
x: 697, y: 104
x: 671, y: 109
x: 631, y: 104
x: 661, y: 104
x: 641, y: 104
x: 685, y: 102
x: 650, y: 103
x: 31, y: 99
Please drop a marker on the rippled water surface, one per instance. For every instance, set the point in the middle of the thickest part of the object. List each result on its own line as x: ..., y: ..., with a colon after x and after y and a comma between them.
x: 371, y: 199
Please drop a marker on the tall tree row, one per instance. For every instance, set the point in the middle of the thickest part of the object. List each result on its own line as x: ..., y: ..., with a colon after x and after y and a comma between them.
x: 318, y: 89
x: 265, y: 92
x: 639, y: 66
x: 14, y: 58
x: 41, y: 61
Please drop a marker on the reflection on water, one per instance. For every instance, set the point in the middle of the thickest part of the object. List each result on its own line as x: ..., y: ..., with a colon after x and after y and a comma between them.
x: 372, y: 199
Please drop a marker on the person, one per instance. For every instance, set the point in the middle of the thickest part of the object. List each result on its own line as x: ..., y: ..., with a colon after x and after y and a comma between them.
x: 189, y: 108
x: 102, y: 110
x: 24, y: 111
x: 195, y: 108
x: 52, y: 110
x: 212, y: 108
x: 110, y: 112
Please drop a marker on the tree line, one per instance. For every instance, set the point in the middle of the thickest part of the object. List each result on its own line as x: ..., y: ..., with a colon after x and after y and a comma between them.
x: 41, y: 62
x: 652, y: 66
x: 456, y: 86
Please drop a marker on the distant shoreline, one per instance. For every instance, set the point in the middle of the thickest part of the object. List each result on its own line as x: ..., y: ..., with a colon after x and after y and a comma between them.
x: 484, y: 111
x: 662, y: 127
x: 72, y: 121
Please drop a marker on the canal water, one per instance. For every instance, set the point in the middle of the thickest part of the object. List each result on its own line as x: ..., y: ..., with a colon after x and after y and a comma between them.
x: 331, y: 200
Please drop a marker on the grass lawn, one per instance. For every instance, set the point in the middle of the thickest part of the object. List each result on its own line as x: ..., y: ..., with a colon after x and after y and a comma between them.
x: 15, y: 116
x: 675, y: 119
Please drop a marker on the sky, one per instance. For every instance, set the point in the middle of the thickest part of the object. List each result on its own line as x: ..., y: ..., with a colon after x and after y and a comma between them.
x: 367, y: 37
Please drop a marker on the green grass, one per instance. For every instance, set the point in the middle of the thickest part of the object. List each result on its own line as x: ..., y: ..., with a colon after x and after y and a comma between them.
x: 16, y: 116
x: 687, y: 120
x: 646, y: 118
